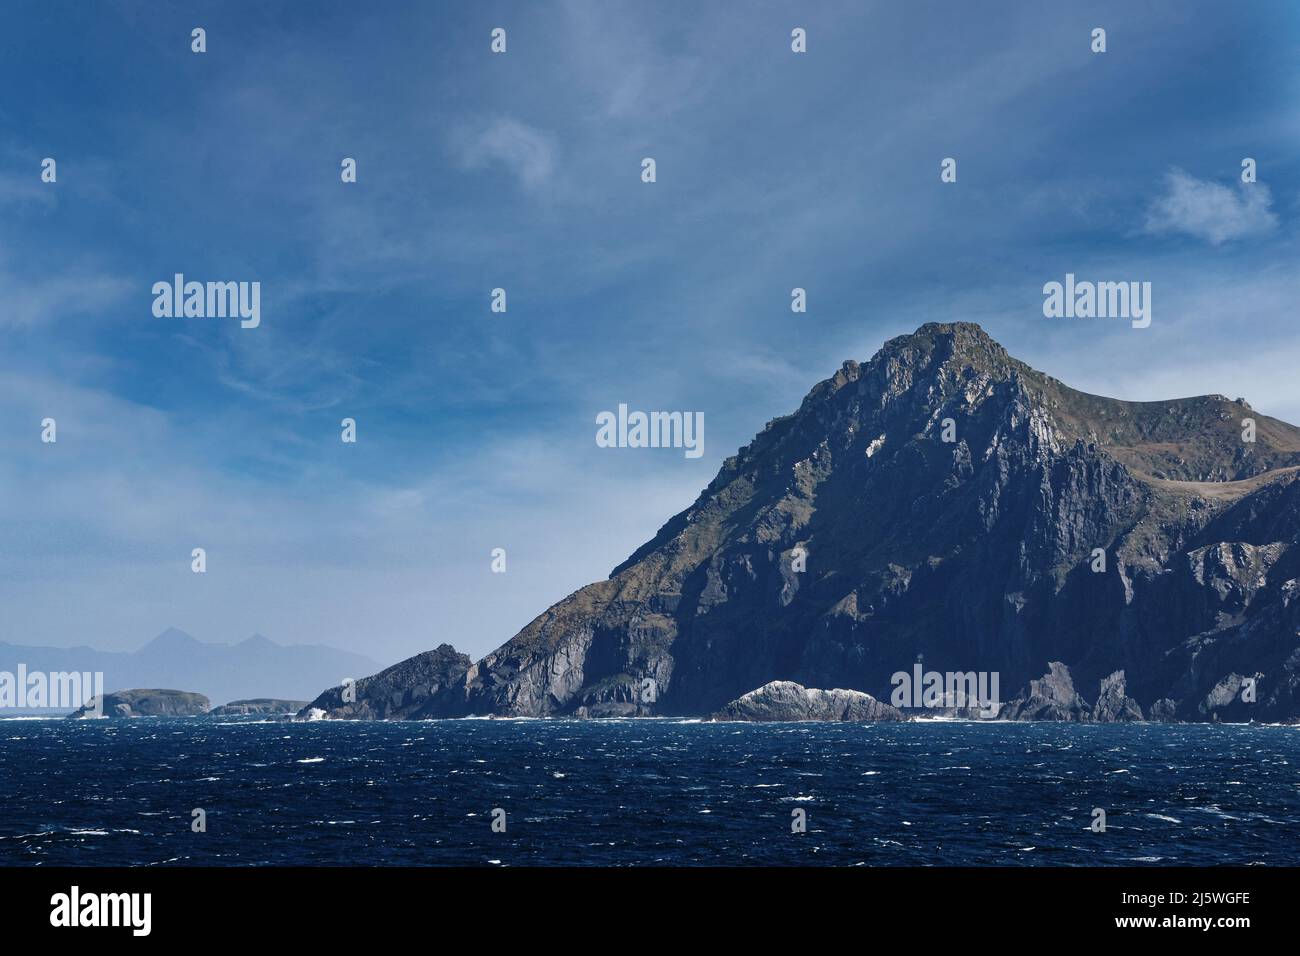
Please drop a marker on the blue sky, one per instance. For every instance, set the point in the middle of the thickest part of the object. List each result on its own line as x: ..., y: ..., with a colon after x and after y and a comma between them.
x: 476, y: 430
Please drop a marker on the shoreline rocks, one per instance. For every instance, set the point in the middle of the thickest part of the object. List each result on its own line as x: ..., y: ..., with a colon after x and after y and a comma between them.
x: 1113, y: 704
x: 783, y: 700
x: 1051, y: 697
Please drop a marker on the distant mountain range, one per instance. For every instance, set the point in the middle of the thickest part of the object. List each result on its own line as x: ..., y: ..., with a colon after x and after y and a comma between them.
x: 256, y: 667
x: 943, y: 502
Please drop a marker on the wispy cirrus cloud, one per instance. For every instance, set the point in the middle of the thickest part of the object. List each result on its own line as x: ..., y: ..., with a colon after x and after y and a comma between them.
x: 524, y: 151
x: 1209, y: 210
x: 39, y: 300
x: 25, y: 191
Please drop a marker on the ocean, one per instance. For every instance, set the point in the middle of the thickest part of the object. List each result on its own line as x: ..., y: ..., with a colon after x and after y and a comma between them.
x: 644, y: 792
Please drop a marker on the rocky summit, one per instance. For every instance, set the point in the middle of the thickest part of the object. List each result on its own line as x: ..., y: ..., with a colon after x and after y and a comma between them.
x: 943, y: 501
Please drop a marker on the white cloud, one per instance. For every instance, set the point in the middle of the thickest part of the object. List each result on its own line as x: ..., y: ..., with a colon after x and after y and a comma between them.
x: 633, y: 65
x: 1210, y: 211
x: 98, y: 529
x: 32, y: 301
x: 525, y: 151
x: 18, y: 192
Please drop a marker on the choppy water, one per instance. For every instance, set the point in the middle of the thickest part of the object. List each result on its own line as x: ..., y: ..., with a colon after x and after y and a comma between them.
x: 644, y: 792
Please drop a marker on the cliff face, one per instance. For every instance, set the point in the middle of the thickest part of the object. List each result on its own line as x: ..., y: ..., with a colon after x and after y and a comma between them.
x: 946, y: 500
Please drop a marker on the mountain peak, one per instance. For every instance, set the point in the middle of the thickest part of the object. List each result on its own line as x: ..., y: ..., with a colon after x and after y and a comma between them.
x: 256, y: 641
x: 963, y: 330
x: 171, y: 638
x: 943, y: 498
x: 940, y: 344
x: 963, y: 335
x: 256, y: 667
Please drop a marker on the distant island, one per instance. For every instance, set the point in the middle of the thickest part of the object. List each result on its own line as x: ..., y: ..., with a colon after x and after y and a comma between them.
x: 258, y: 705
x: 144, y: 703
x: 255, y: 667
x: 155, y: 702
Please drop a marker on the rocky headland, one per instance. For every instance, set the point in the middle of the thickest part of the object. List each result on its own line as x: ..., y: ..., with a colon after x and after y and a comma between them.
x: 943, y: 500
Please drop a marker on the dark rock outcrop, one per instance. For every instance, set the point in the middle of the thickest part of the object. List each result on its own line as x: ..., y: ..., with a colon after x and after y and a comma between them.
x: 409, y: 690
x: 1163, y: 711
x: 258, y: 705
x: 945, y: 500
x: 1227, y: 700
x: 783, y: 700
x: 146, y: 703
x: 1051, y: 697
x: 1113, y: 704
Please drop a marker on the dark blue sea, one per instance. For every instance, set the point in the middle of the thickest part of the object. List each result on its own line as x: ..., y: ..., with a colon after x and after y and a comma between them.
x: 644, y: 792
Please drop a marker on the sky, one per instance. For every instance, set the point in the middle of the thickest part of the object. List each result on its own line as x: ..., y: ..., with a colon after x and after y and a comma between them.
x: 522, y: 170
